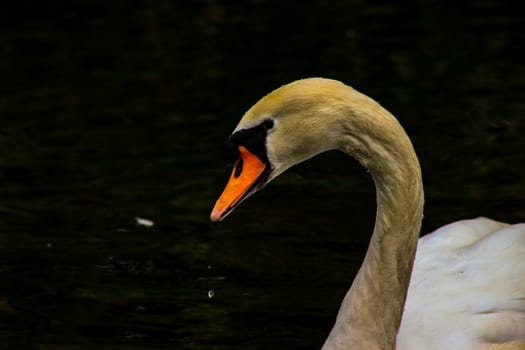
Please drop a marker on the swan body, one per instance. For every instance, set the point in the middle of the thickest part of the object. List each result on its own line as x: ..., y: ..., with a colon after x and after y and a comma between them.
x: 467, y: 289
x: 467, y: 286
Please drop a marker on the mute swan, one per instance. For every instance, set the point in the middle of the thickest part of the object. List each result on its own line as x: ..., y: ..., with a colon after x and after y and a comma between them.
x: 467, y: 289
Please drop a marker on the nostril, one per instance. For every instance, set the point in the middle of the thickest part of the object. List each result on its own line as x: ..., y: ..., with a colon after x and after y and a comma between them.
x: 238, y: 168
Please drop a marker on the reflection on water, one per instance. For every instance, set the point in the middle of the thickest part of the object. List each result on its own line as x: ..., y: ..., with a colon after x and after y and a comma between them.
x: 117, y: 111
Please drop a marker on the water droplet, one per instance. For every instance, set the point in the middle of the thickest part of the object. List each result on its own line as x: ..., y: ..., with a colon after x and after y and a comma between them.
x: 211, y: 293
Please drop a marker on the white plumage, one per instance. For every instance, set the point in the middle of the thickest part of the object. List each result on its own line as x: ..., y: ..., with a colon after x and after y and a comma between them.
x: 467, y: 288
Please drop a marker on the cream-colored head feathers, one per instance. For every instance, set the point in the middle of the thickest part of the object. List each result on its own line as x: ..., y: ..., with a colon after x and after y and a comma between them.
x: 315, y: 115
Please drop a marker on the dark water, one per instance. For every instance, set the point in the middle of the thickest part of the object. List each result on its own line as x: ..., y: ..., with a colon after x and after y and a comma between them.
x: 116, y: 110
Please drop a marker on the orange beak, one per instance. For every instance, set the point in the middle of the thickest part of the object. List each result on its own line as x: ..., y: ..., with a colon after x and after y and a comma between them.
x: 246, y: 171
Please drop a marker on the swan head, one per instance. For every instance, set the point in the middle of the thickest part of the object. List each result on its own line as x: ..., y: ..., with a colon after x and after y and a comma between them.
x: 284, y: 128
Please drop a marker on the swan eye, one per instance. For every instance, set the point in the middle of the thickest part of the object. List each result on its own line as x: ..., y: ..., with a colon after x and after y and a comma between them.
x: 253, y: 139
x: 267, y: 124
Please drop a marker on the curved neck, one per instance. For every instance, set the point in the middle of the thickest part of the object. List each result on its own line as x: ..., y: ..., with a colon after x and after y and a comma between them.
x: 371, y: 311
